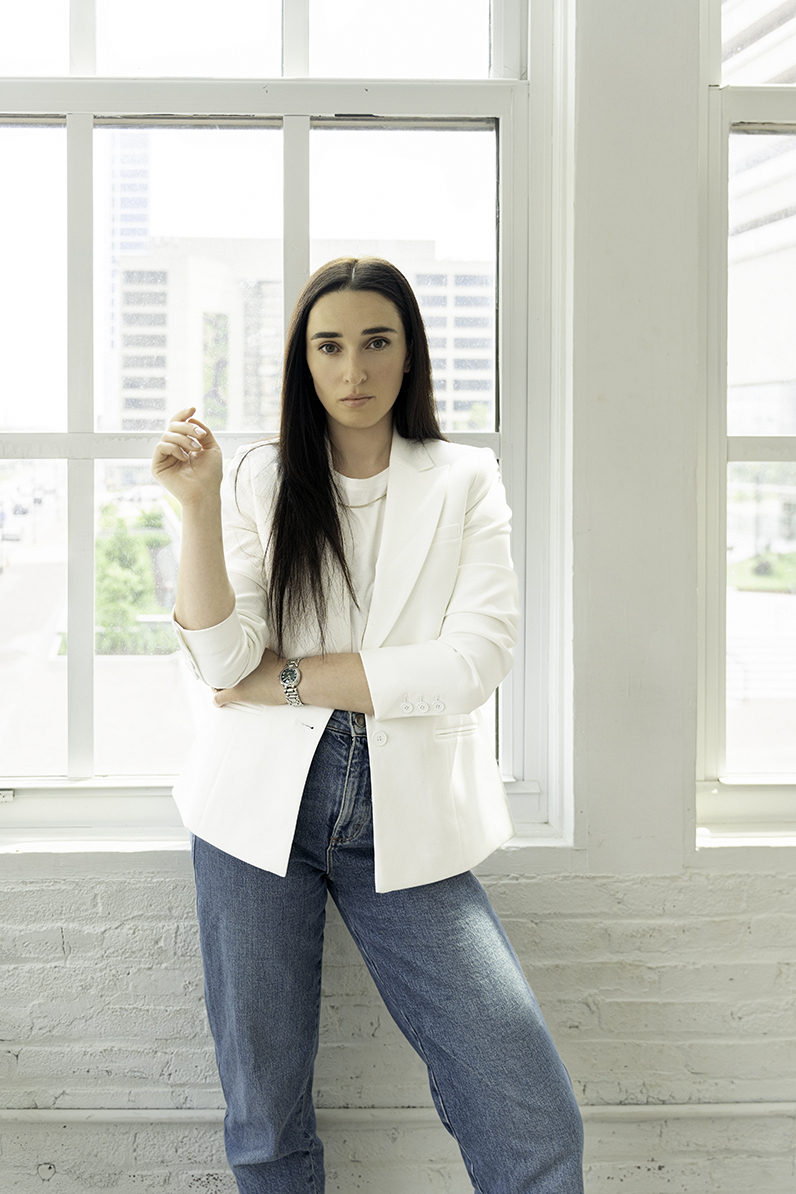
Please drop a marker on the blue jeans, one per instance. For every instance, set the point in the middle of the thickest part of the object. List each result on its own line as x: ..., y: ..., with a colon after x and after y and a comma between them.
x: 442, y: 963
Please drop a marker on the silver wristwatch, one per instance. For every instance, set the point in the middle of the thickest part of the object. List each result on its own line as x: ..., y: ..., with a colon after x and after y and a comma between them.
x: 290, y: 677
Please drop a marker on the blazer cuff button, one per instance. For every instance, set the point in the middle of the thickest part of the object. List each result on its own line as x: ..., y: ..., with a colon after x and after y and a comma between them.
x: 422, y: 707
x: 406, y: 707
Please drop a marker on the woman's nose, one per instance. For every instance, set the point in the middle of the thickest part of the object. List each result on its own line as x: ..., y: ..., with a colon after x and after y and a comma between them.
x: 355, y: 369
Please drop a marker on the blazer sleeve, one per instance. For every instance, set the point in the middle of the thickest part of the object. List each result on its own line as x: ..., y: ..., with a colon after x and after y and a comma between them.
x: 463, y: 666
x: 223, y: 655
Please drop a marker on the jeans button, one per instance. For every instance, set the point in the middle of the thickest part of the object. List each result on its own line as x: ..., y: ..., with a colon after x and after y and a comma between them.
x: 359, y: 720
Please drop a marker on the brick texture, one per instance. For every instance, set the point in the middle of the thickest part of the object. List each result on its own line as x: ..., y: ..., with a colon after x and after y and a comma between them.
x: 657, y: 990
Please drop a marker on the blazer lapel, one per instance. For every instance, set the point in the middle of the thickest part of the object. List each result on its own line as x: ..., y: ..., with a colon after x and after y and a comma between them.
x: 415, y: 493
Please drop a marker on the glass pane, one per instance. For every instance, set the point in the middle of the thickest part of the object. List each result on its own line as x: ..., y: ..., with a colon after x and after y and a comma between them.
x: 761, y: 618
x: 33, y: 293
x: 761, y: 300
x: 188, y: 276
x: 34, y: 37
x: 142, y: 689
x: 441, y: 235
x: 368, y: 39
x: 33, y: 617
x: 237, y: 39
x: 758, y: 41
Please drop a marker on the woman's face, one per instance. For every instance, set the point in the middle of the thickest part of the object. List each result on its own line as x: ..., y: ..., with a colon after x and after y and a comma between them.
x: 357, y: 355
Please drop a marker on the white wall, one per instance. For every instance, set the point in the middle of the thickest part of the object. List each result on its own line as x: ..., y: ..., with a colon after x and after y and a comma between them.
x: 636, y: 409
x: 668, y: 979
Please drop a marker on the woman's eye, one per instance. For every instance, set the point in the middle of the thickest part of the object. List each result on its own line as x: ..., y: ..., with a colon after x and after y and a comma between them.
x: 379, y: 342
x: 332, y: 348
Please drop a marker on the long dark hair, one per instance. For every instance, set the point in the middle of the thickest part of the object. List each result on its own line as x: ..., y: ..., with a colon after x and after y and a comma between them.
x: 306, y: 541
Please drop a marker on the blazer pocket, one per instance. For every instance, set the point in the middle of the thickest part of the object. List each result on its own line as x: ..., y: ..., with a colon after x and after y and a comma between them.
x: 452, y: 531
x: 466, y: 731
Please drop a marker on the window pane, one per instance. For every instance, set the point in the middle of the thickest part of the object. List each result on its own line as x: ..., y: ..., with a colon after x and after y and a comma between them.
x: 442, y: 235
x: 369, y: 39
x: 761, y: 618
x: 238, y: 39
x: 142, y: 689
x: 33, y: 617
x: 188, y: 281
x: 758, y: 41
x: 761, y: 307
x: 34, y: 37
x: 33, y: 291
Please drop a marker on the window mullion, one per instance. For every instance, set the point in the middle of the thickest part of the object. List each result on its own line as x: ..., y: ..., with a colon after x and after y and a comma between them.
x: 508, y: 39
x: 295, y: 39
x: 761, y: 447
x: 79, y: 206
x: 82, y: 37
x: 296, y: 244
x: 80, y: 619
x: 713, y: 512
x: 710, y: 41
x: 80, y: 342
x: 519, y: 756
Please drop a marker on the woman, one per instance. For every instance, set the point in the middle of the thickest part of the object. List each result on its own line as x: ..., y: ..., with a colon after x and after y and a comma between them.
x: 365, y: 609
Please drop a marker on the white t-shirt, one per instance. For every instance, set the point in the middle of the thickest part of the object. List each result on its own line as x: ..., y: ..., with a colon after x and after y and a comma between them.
x: 362, y: 521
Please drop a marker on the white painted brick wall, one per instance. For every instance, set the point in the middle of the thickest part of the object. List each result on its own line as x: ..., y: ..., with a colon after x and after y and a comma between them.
x: 657, y: 989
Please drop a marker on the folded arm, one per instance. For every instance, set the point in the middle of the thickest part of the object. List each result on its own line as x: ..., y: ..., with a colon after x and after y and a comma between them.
x: 460, y: 668
x: 328, y: 681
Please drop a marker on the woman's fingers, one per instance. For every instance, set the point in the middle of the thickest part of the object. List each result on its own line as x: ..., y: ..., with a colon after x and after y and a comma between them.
x: 186, y: 421
x: 165, y: 451
x: 184, y: 436
x: 183, y: 415
x: 187, y: 455
x: 186, y: 439
x: 179, y: 446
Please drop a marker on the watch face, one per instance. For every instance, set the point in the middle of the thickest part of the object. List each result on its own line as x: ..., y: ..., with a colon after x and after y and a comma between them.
x: 289, y: 675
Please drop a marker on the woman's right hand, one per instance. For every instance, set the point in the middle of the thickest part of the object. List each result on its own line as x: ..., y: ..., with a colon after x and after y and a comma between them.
x: 188, y: 460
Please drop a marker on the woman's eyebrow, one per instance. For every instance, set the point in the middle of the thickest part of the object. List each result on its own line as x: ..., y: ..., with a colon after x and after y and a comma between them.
x: 339, y: 335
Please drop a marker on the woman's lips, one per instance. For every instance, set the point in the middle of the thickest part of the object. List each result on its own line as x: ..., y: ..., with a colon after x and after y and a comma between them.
x: 355, y: 400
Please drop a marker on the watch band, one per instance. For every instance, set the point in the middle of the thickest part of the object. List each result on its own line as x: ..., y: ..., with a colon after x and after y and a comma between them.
x: 290, y: 678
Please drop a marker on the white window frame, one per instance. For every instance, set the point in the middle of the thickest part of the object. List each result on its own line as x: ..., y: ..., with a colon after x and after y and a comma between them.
x: 730, y: 810
x: 536, y: 152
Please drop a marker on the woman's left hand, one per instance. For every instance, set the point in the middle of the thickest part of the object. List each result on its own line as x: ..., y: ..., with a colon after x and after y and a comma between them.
x: 260, y: 687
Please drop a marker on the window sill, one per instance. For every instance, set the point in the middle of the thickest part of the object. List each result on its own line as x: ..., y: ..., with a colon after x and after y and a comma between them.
x: 753, y: 812
x: 138, y: 839
x: 124, y: 814
x: 106, y: 814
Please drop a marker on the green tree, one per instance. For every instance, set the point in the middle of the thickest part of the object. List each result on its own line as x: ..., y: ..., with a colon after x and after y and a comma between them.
x: 125, y: 587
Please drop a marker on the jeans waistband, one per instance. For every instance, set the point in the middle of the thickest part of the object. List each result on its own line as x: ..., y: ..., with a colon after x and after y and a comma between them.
x: 347, y: 722
x: 343, y: 721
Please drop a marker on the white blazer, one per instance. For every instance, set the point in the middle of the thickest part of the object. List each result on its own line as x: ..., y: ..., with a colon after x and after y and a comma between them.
x: 438, y: 641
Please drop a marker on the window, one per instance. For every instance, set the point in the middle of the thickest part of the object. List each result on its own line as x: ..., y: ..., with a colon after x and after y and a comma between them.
x: 747, y: 756
x: 154, y: 258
